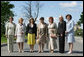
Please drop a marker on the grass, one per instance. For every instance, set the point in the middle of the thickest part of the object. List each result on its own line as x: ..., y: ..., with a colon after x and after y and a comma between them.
x: 4, y: 39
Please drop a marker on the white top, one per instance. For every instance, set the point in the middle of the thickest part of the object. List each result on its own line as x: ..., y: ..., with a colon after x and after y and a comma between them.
x: 70, y: 27
x: 10, y: 29
x: 52, y: 26
x: 20, y: 28
x: 32, y: 25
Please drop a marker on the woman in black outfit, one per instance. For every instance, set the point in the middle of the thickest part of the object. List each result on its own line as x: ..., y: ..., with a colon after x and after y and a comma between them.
x: 61, y: 33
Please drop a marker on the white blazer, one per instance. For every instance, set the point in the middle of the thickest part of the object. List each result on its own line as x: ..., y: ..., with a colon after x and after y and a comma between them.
x: 70, y: 30
x: 10, y: 28
x: 19, y: 29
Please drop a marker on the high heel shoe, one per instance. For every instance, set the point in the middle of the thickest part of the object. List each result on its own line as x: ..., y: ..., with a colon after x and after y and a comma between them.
x: 51, y: 51
x: 19, y: 51
x: 69, y: 52
x: 22, y: 51
x: 39, y: 51
x: 9, y: 51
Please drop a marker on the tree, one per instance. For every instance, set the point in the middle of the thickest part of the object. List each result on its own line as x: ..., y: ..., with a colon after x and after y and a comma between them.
x: 5, y: 13
x: 28, y: 12
x: 32, y: 9
x: 81, y: 19
x: 79, y: 31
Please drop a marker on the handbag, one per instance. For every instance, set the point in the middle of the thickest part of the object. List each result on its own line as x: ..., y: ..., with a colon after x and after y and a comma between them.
x: 37, y: 41
x: 53, y: 36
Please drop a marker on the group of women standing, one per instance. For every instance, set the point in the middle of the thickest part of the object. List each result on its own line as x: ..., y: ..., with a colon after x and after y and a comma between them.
x: 41, y: 34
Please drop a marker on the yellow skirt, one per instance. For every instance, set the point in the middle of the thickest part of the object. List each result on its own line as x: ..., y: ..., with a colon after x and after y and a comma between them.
x: 31, y: 39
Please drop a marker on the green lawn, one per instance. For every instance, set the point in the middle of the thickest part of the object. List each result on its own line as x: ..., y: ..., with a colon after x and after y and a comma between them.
x: 4, y: 39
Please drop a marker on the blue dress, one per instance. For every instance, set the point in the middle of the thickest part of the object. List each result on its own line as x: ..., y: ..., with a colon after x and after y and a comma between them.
x: 70, y: 30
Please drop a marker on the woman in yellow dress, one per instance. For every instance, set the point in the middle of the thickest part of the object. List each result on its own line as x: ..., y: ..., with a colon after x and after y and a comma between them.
x: 31, y: 32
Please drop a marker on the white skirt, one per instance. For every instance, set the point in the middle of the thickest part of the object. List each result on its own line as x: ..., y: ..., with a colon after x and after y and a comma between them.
x: 20, y: 38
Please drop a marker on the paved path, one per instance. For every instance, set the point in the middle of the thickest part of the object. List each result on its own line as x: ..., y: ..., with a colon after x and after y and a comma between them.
x: 78, y: 50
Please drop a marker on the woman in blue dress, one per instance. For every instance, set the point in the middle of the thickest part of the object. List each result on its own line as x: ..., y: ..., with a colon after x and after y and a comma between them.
x: 70, y: 32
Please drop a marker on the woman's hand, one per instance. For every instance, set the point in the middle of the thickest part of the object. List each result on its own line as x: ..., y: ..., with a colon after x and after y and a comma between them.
x: 52, y: 29
x: 66, y: 32
x: 37, y: 37
x: 6, y: 36
x: 61, y: 35
x: 15, y: 36
x: 22, y: 33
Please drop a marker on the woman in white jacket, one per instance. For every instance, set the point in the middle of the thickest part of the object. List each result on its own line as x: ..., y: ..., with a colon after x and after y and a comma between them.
x: 52, y: 30
x: 20, y: 34
x: 10, y: 32
x: 70, y: 32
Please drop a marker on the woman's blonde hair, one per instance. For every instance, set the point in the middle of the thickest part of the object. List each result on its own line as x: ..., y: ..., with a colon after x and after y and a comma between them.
x: 20, y: 19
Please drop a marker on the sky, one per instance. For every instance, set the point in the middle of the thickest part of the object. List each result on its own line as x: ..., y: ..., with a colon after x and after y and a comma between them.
x: 50, y: 8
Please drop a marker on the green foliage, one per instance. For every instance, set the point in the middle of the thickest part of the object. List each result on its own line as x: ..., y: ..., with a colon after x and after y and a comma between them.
x: 79, y: 32
x: 5, y: 13
x: 81, y: 19
x: 3, y: 39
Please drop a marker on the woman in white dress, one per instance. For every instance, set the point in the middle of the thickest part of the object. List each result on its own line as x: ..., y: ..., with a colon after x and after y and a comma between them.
x: 20, y: 34
x: 10, y: 32
x: 52, y: 29
x: 70, y: 32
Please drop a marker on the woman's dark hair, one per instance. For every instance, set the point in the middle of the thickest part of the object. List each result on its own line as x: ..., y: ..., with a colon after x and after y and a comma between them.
x: 11, y: 17
x: 31, y: 19
x: 69, y: 15
x: 42, y: 18
x: 51, y: 18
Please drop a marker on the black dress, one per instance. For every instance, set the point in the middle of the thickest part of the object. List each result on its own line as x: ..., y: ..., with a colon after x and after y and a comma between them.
x: 61, y: 30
